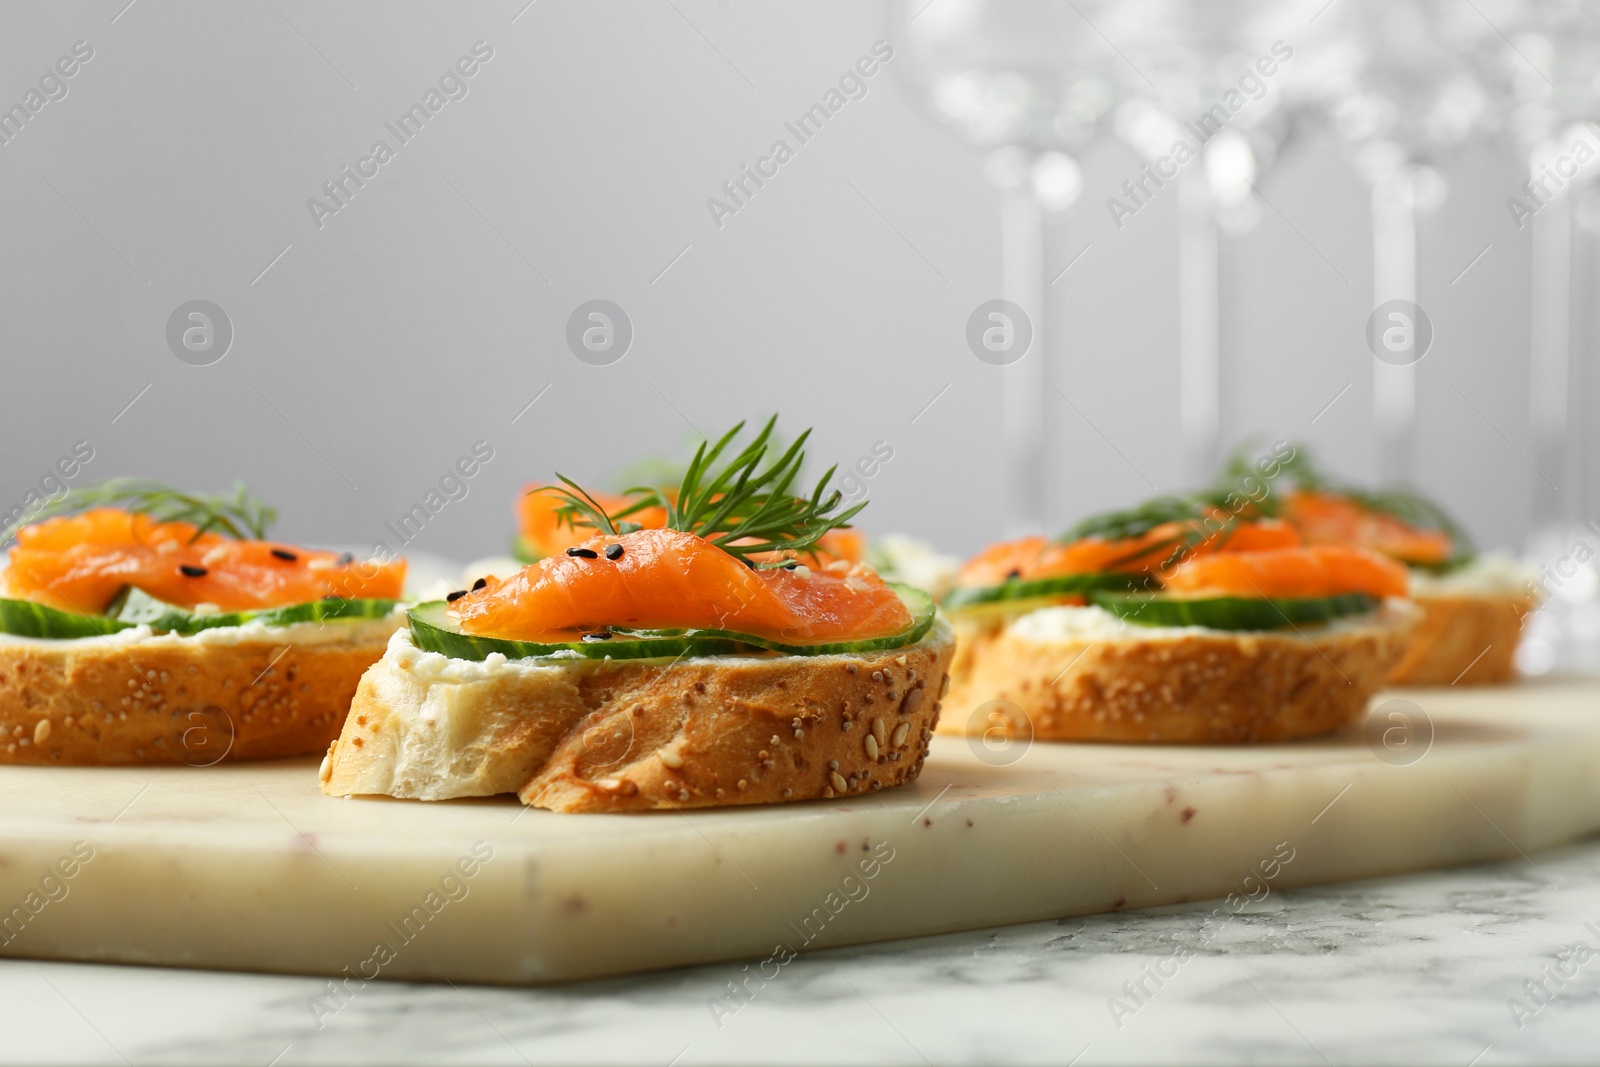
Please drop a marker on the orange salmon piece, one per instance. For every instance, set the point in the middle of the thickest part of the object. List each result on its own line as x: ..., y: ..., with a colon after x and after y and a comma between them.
x: 1038, y: 557
x: 1326, y: 518
x: 80, y: 562
x: 667, y: 579
x: 1312, y: 571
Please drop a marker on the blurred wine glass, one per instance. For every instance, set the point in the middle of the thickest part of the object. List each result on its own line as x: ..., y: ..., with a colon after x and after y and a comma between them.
x: 1553, y: 64
x: 1423, y: 85
x: 1033, y: 83
x: 1215, y: 57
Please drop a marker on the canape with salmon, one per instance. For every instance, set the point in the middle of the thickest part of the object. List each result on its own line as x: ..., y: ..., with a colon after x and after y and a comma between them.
x: 141, y: 624
x: 541, y: 531
x: 711, y: 659
x: 1185, y: 620
x: 1473, y: 603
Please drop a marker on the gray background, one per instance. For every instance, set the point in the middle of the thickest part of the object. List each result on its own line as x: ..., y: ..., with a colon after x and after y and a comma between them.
x: 416, y: 321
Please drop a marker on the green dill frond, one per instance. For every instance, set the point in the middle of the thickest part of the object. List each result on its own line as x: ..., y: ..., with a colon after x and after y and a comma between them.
x: 1407, y: 505
x: 237, y: 514
x: 743, y: 504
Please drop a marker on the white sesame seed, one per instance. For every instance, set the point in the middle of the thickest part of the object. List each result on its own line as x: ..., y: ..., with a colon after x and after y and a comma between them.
x: 670, y: 758
x: 41, y: 732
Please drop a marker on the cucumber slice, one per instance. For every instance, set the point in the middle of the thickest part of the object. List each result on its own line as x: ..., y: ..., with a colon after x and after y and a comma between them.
x: 133, y: 607
x: 138, y: 607
x: 433, y: 631
x: 24, y: 618
x: 1232, y: 613
x: 1039, y: 588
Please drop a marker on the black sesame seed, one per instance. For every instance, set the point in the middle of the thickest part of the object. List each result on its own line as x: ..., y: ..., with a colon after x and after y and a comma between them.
x: 598, y: 636
x: 285, y: 555
x: 791, y: 565
x: 457, y: 595
x: 192, y: 572
x: 1014, y: 574
x: 583, y: 553
x: 479, y: 584
x: 347, y: 559
x: 613, y: 552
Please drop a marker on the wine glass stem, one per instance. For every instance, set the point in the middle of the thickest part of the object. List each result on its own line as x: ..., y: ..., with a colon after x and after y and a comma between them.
x: 1549, y: 368
x: 1394, y: 277
x: 1024, y: 383
x: 1199, y: 363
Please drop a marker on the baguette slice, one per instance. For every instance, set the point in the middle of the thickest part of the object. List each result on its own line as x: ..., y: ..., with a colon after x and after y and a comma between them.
x: 249, y: 692
x: 585, y: 735
x: 1464, y: 638
x: 1084, y: 676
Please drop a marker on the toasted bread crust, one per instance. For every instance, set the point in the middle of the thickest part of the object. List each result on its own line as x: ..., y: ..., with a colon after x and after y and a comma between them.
x: 612, y: 736
x: 1464, y: 640
x: 176, y: 701
x: 1198, y: 686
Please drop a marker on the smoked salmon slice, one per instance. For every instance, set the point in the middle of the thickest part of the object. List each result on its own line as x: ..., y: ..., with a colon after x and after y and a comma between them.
x: 1038, y: 557
x: 660, y: 579
x: 1329, y: 518
x: 80, y: 562
x: 1311, y: 571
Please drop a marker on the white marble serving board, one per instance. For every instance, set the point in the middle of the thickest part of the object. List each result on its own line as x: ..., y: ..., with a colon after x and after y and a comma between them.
x: 250, y: 867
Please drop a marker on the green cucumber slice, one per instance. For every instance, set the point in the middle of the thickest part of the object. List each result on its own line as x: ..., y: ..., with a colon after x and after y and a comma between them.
x: 1232, y: 613
x: 433, y: 631
x: 133, y: 607
x: 137, y: 607
x: 24, y: 618
x: 1038, y: 588
x: 917, y: 602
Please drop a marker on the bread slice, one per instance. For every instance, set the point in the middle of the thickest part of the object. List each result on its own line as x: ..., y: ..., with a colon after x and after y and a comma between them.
x: 582, y: 735
x: 1079, y: 674
x: 1465, y: 638
x: 247, y: 692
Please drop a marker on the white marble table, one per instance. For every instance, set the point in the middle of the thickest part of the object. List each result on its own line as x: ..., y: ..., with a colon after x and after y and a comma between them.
x: 1415, y: 969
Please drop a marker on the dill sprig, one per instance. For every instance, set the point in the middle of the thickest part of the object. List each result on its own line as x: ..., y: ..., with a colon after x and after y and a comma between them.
x: 237, y: 514
x: 1211, y: 513
x: 743, y: 507
x: 1187, y: 511
x: 1399, y: 502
